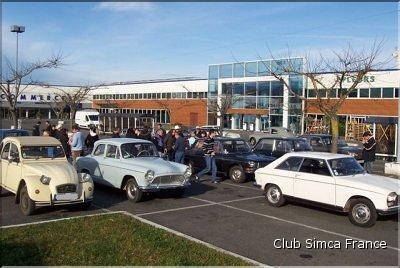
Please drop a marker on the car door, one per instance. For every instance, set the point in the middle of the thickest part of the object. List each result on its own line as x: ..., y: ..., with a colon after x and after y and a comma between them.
x: 4, y: 162
x: 264, y: 147
x: 14, y: 168
x: 98, y: 157
x: 281, y: 147
x: 110, y: 166
x: 286, y: 171
x: 315, y: 182
x: 223, y: 149
x: 317, y: 144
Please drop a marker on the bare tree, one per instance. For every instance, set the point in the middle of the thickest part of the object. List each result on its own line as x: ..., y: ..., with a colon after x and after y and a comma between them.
x: 331, y: 79
x: 73, y: 97
x: 14, y: 82
x: 57, y: 105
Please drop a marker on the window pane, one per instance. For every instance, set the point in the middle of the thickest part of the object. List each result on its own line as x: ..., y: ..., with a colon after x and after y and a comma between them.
x: 238, y: 88
x: 291, y: 164
x: 322, y: 93
x: 311, y: 93
x: 225, y: 71
x: 278, y: 66
x: 375, y: 93
x: 238, y: 70
x: 213, y: 72
x: 262, y: 102
x: 250, y: 102
x: 250, y: 88
x: 332, y: 93
x: 251, y: 69
x: 276, y: 88
x: 296, y: 85
x: 364, y: 92
x: 212, y: 87
x: 396, y: 92
x: 227, y: 88
x: 264, y: 68
x: 353, y: 93
x: 238, y: 102
x: 263, y: 88
x: 387, y: 92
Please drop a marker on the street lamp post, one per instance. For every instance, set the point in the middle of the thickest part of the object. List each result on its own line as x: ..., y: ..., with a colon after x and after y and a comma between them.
x: 17, y: 29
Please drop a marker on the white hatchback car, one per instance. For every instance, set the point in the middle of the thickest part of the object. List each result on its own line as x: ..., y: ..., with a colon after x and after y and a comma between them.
x: 332, y: 180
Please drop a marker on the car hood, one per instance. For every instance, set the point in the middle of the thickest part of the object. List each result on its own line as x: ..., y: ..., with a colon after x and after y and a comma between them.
x: 60, y: 172
x: 370, y: 182
x: 157, y: 164
x: 352, y: 149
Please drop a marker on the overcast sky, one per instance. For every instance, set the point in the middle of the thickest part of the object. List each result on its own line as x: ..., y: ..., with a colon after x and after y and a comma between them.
x: 109, y: 42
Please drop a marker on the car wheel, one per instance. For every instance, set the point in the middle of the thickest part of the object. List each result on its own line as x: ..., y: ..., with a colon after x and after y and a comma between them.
x: 274, y: 196
x: 252, y: 141
x: 26, y: 204
x: 362, y: 213
x: 237, y: 175
x: 133, y: 193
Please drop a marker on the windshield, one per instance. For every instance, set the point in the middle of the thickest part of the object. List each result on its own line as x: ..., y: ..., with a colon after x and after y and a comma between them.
x: 301, y: 145
x: 345, y: 166
x: 130, y: 150
x: 342, y: 143
x: 93, y: 117
x: 39, y: 152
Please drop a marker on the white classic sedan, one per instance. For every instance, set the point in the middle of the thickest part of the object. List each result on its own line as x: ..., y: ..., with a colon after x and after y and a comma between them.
x: 135, y: 166
x: 333, y: 180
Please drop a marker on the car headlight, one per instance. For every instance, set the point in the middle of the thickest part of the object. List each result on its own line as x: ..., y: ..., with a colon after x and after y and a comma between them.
x: 188, y: 173
x: 251, y: 164
x: 149, y: 175
x: 45, y: 180
x: 392, y: 199
x: 85, y: 177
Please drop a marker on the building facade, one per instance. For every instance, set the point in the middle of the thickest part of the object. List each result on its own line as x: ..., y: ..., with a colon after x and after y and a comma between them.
x: 170, y: 101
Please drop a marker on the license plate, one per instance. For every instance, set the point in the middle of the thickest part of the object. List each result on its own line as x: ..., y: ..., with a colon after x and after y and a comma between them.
x: 66, y: 197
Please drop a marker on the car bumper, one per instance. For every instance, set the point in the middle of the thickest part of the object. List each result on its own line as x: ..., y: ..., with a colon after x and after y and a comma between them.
x: 390, y: 211
x: 54, y: 202
x: 156, y: 188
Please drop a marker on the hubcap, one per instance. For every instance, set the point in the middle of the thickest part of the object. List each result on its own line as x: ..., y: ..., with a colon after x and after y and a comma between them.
x: 361, y: 213
x: 131, y: 190
x: 273, y: 195
x: 236, y: 174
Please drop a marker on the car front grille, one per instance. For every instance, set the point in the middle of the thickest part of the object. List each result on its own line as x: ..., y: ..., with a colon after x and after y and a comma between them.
x: 66, y: 188
x: 168, y: 180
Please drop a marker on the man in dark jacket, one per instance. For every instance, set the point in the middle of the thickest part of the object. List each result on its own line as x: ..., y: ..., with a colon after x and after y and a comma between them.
x: 115, y: 133
x: 209, y: 156
x: 36, y: 129
x: 368, y: 153
x: 179, y: 147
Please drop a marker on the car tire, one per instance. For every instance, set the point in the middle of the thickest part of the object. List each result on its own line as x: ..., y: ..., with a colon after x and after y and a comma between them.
x: 362, y: 213
x: 26, y: 204
x: 252, y: 141
x: 237, y: 175
x: 133, y: 193
x: 274, y: 196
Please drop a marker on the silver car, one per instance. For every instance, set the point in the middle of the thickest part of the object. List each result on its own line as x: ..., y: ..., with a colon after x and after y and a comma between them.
x: 134, y: 166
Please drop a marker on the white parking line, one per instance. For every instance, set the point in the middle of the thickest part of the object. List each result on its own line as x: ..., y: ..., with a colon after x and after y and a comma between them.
x: 287, y: 221
x: 61, y: 219
x: 242, y: 186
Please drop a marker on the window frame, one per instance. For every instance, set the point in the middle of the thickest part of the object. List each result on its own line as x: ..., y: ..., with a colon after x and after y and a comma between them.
x: 291, y: 157
x: 95, y: 149
x: 317, y: 159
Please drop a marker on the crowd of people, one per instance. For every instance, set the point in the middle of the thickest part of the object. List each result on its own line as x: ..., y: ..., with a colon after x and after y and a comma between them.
x: 171, y: 145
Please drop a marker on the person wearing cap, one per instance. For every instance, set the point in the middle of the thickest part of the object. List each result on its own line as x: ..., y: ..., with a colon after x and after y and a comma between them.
x: 369, y: 150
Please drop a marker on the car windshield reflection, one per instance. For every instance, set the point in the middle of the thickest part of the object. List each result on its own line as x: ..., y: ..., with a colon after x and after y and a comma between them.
x: 38, y: 152
x: 132, y: 150
x: 345, y: 166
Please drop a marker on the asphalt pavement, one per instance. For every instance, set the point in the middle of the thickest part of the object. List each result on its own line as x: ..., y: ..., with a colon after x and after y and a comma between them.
x: 236, y: 217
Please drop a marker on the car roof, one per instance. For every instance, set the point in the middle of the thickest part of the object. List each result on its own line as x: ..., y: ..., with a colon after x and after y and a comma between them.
x: 119, y: 141
x: 316, y: 135
x: 281, y: 138
x: 33, y: 140
x: 321, y: 155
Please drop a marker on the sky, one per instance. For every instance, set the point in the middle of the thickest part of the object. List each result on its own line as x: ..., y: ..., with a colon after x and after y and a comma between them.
x: 110, y: 41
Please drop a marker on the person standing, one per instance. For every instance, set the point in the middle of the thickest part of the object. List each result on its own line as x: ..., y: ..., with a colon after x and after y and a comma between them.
x: 369, y: 150
x: 130, y: 134
x: 76, y: 143
x: 91, y: 138
x: 47, y: 126
x: 179, y: 147
x: 192, y: 140
x: 63, y: 138
x: 36, y: 129
x: 116, y: 133
x: 169, y: 142
x: 209, y: 155
x: 158, y: 141
x: 159, y: 127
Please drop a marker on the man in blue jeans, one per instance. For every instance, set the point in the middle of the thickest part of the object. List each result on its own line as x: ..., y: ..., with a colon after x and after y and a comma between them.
x: 209, y: 155
x: 179, y: 148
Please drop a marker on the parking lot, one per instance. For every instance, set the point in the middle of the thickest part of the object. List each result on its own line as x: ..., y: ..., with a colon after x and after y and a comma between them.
x: 236, y: 218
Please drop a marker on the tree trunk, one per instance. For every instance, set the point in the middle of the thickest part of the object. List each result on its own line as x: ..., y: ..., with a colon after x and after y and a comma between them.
x: 14, y: 118
x: 335, y: 133
x: 72, y: 117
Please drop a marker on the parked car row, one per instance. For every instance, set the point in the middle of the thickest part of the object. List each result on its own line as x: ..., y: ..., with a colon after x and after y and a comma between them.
x: 36, y: 170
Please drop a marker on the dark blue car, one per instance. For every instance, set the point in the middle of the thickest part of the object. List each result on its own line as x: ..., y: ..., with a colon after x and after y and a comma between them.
x: 12, y: 133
